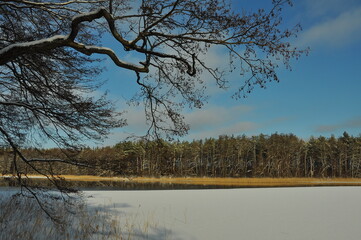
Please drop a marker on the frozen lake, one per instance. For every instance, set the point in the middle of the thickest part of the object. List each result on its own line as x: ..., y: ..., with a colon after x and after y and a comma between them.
x: 320, y: 213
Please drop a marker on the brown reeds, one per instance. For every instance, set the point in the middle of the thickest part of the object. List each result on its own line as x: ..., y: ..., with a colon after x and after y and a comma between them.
x: 235, y: 182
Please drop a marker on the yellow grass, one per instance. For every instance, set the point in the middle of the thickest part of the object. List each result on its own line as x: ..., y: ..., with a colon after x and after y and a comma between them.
x: 257, y: 182
x: 236, y: 182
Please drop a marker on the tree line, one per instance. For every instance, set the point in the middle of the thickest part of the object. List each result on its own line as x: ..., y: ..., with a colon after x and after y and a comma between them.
x: 276, y: 155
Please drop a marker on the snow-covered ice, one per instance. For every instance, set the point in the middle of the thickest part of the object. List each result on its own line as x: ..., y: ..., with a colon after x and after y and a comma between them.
x: 320, y: 213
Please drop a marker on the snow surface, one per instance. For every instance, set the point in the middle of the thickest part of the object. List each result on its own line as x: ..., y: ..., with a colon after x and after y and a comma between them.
x: 320, y: 213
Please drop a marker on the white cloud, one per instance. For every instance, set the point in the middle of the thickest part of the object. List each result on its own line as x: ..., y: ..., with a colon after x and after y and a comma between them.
x: 322, y: 8
x: 209, y: 122
x: 236, y: 129
x: 198, y: 119
x: 349, y: 124
x: 341, y: 30
x: 218, y: 120
x: 214, y: 116
x: 135, y: 118
x: 215, y: 57
x: 114, y: 138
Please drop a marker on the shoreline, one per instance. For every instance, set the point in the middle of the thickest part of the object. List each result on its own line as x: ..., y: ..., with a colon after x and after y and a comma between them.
x: 235, y: 182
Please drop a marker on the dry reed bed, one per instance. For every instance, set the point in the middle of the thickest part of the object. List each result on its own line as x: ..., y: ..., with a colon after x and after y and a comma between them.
x: 257, y: 182
x: 241, y: 182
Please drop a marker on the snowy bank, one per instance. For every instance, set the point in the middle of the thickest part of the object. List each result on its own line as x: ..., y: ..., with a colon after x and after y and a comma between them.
x: 322, y: 213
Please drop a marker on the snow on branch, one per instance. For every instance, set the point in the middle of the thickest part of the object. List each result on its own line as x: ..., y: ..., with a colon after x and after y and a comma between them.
x: 12, y: 51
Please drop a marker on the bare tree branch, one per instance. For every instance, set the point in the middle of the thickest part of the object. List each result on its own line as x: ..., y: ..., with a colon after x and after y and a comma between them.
x: 49, y: 73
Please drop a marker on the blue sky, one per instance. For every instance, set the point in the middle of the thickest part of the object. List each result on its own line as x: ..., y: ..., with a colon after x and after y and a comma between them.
x: 320, y: 96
